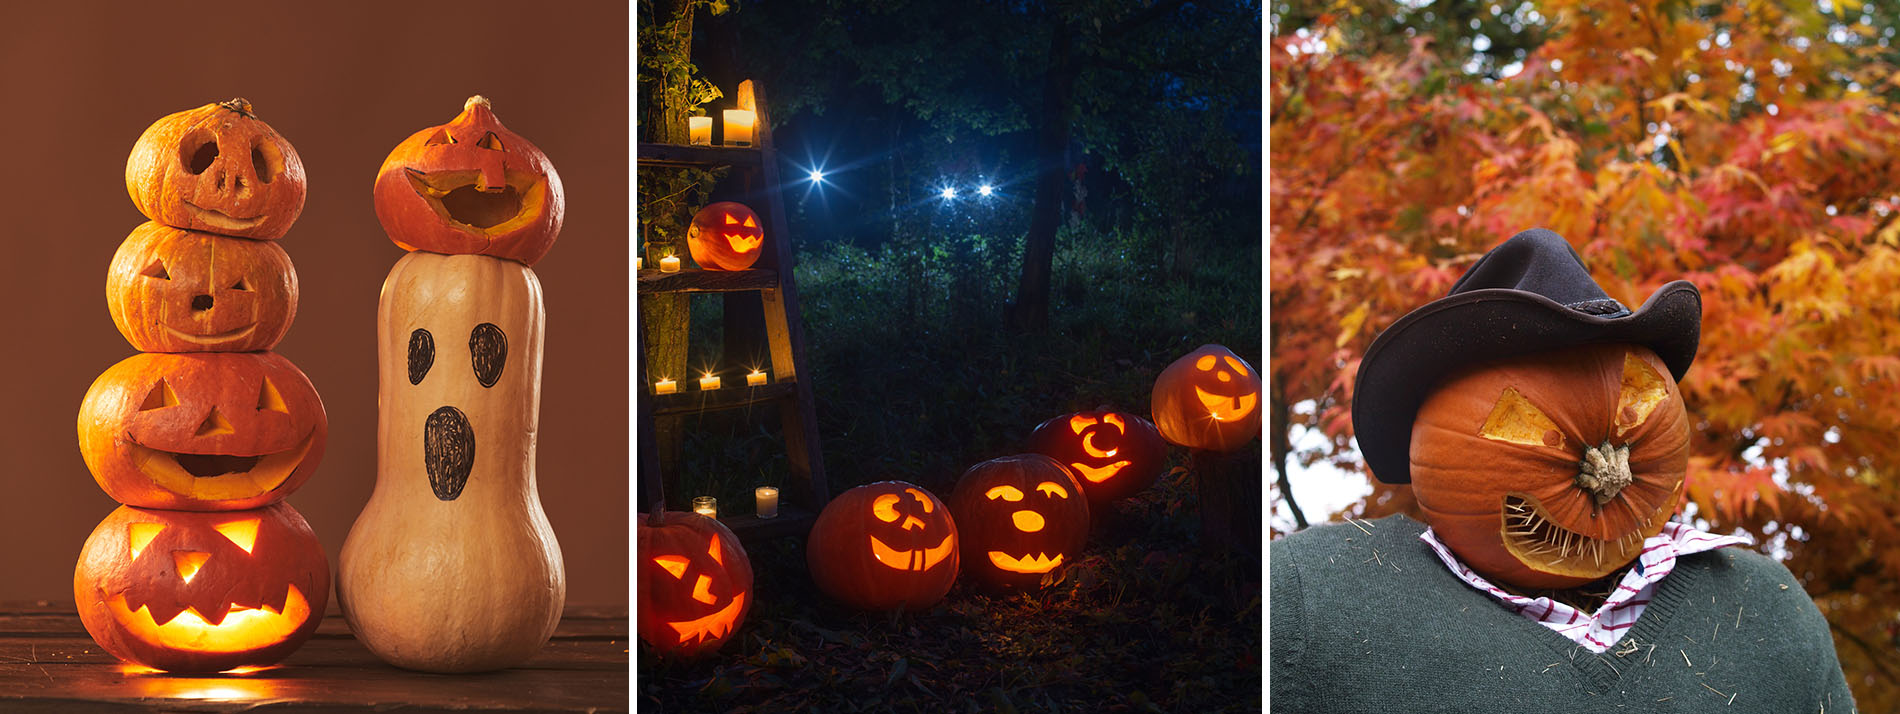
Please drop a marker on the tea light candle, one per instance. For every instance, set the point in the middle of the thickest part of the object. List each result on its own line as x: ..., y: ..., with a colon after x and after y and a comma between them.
x: 739, y: 125
x: 670, y: 264
x: 755, y: 379
x: 706, y: 506
x: 768, y: 501
x: 699, y: 130
x: 709, y: 382
x: 638, y: 263
x: 665, y: 386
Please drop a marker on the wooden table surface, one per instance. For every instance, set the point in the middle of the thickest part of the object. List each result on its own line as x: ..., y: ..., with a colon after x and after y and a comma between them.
x: 49, y: 664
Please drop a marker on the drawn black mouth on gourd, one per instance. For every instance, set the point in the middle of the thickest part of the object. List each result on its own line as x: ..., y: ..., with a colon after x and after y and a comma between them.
x: 448, y: 451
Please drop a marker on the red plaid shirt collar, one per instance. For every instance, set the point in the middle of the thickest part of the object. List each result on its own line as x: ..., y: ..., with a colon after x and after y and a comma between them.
x: 1599, y: 630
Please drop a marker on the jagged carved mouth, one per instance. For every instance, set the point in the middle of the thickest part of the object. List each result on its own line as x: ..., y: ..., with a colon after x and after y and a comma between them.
x: 240, y: 629
x: 460, y: 198
x: 1038, y: 563
x: 219, y: 476
x: 713, y: 626
x: 1535, y: 540
x: 744, y: 244
x: 1225, y: 407
x: 914, y: 560
x: 217, y: 339
x: 219, y: 219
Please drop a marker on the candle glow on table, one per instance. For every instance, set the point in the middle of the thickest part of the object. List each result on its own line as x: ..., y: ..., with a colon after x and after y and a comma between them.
x: 709, y: 382
x: 739, y: 125
x: 665, y: 386
x: 767, y: 497
x: 706, y: 506
x: 755, y: 379
x: 699, y: 130
x: 670, y: 264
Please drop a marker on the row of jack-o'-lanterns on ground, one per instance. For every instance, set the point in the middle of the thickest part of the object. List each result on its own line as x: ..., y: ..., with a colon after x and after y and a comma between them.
x: 1010, y: 522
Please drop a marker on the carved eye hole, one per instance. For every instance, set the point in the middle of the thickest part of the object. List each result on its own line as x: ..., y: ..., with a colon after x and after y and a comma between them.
x: 156, y: 270
x: 1234, y: 364
x: 730, y: 220
x: 885, y: 507
x: 673, y: 564
x: 750, y: 222
x: 266, y: 160
x: 1053, y: 489
x: 1007, y: 493
x: 712, y: 549
x: 1643, y: 390
x: 421, y: 355
x: 242, y: 534
x: 441, y: 136
x: 271, y: 400
x: 160, y: 397
x: 491, y: 142
x: 241, y: 284
x: 488, y: 349
x: 1116, y: 421
x: 921, y: 498
x: 1516, y: 420
x: 197, y: 152
x: 139, y: 535
x: 1079, y: 422
x: 1205, y: 363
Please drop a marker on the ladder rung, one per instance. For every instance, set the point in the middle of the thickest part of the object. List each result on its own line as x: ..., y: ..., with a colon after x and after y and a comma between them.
x: 703, y: 157
x: 695, y: 400
x: 706, y: 281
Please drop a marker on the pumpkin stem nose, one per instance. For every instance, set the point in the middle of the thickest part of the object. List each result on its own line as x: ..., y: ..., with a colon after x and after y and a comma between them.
x: 1604, y: 471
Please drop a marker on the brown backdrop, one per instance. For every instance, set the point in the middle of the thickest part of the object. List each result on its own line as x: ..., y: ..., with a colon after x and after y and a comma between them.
x: 344, y: 82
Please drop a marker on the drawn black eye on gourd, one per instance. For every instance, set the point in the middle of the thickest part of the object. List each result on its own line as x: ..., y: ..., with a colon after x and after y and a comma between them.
x: 488, y: 351
x: 421, y: 354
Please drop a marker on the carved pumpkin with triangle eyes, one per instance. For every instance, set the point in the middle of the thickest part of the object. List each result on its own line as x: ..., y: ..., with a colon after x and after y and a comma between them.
x: 1550, y: 470
x: 725, y: 236
x: 1208, y: 399
x: 695, y: 583
x: 1114, y: 454
x: 218, y: 169
x: 1022, y: 516
x: 202, y: 432
x: 202, y: 592
x: 471, y: 186
x: 884, y: 545
x: 173, y: 290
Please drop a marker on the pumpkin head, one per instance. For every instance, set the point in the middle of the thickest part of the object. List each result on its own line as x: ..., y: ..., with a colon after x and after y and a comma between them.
x: 202, y: 592
x: 1114, y: 454
x: 725, y: 236
x: 471, y: 186
x: 217, y: 169
x: 1023, y: 516
x: 882, y: 546
x: 203, y: 431
x: 1208, y: 399
x: 695, y: 583
x: 174, y: 290
x: 1550, y: 470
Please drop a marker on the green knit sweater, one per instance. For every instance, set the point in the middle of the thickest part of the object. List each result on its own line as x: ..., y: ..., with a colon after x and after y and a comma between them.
x: 1375, y: 623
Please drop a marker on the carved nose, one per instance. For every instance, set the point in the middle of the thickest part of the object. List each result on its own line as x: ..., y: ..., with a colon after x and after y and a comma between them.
x: 200, y: 303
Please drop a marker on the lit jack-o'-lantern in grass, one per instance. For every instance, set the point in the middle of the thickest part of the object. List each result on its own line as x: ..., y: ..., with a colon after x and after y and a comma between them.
x: 1113, y: 454
x: 695, y: 583
x: 202, y: 592
x: 471, y: 186
x: 1022, y: 517
x: 173, y: 290
x: 1550, y: 470
x: 725, y: 236
x: 219, y: 169
x: 882, y: 546
x: 203, y: 431
x: 1208, y: 399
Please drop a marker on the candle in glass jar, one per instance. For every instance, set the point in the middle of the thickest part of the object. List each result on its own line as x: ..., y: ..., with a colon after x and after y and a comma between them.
x: 706, y: 506
x: 699, y: 130
x: 670, y: 264
x: 739, y: 125
x: 709, y: 382
x: 755, y: 379
x: 768, y: 501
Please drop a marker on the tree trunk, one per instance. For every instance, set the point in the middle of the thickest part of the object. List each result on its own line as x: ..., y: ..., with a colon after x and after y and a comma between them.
x: 664, y: 319
x: 1031, y: 309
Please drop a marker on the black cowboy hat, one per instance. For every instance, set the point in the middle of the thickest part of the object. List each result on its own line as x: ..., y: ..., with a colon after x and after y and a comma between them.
x: 1530, y: 294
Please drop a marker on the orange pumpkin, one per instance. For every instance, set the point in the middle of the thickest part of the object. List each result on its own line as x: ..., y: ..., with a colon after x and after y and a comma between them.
x: 1023, y: 516
x: 174, y: 290
x: 202, y: 592
x: 695, y: 583
x: 471, y: 186
x: 882, y: 546
x: 202, y: 431
x: 725, y: 236
x: 1114, y: 454
x: 1550, y: 470
x: 1208, y: 399
x: 218, y: 169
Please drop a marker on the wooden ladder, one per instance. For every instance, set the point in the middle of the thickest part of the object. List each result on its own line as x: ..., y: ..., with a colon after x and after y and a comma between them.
x: 773, y: 291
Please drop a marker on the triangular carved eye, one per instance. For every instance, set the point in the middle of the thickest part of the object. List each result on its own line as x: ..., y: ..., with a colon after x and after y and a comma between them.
x: 673, y: 564
x: 1516, y: 420
x: 491, y: 142
x: 139, y: 535
x: 750, y: 222
x: 160, y: 397
x: 241, y: 284
x: 215, y: 424
x: 712, y: 549
x: 1643, y: 390
x: 156, y: 270
x: 243, y: 533
x: 269, y: 399
x: 441, y: 136
x: 730, y: 220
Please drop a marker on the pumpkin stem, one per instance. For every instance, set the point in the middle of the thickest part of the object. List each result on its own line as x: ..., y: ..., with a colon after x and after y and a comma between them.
x: 477, y: 99
x: 239, y: 105
x: 1604, y: 471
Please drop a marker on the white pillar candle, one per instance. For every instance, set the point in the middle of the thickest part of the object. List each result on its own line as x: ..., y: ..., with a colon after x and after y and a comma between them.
x: 699, y: 130
x: 739, y: 126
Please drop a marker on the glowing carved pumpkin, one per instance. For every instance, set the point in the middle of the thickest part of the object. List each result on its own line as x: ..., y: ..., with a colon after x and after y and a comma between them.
x: 695, y: 583
x: 218, y: 169
x: 725, y: 236
x: 173, y: 290
x: 1114, y: 454
x: 1549, y: 471
x: 202, y: 592
x: 1209, y: 399
x: 882, y: 546
x: 202, y: 431
x: 1023, y: 516
x: 471, y: 186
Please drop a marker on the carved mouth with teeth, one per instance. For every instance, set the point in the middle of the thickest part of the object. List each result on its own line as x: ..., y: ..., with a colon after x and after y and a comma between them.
x: 914, y: 560
x: 240, y: 629
x: 1535, y: 539
x: 213, y: 477
x: 463, y: 200
x: 1038, y: 563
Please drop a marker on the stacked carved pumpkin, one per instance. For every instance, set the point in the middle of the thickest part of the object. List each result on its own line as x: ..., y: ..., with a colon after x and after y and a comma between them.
x: 205, y: 432
x: 452, y: 566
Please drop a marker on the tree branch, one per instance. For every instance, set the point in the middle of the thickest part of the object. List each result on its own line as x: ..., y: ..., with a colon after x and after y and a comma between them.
x: 1875, y: 657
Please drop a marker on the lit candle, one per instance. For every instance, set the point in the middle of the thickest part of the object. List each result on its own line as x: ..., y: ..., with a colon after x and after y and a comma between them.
x: 706, y: 506
x: 755, y: 379
x: 768, y: 501
x: 665, y: 386
x: 739, y: 125
x: 638, y: 263
x: 709, y: 382
x: 670, y: 264
x: 699, y: 130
